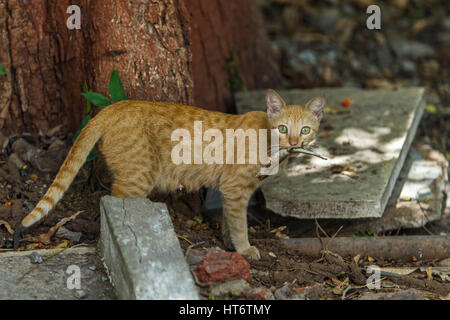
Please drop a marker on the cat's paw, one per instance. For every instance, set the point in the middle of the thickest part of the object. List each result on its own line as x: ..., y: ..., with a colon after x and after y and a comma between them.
x: 251, y: 252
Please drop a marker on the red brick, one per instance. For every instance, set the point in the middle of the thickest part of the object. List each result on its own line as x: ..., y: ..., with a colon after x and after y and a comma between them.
x: 222, y: 266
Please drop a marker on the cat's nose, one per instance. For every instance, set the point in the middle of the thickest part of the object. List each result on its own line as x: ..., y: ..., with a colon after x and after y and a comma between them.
x: 293, y: 142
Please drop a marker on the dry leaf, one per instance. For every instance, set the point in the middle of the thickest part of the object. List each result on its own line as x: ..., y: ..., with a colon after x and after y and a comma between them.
x: 279, y: 229
x: 341, y: 286
x: 398, y: 271
x: 379, y: 83
x: 420, y: 24
x: 350, y: 174
x: 32, y: 246
x: 64, y: 244
x: 7, y: 226
x: 281, y: 235
x: 442, y: 272
x: 429, y: 271
x: 385, y: 163
x: 45, y: 238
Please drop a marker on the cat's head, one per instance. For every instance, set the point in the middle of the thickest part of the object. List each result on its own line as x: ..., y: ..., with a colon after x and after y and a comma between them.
x: 295, y: 125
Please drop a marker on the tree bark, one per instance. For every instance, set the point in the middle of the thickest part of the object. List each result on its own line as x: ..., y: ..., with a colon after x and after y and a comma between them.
x: 48, y: 64
x: 220, y: 29
x: 149, y: 42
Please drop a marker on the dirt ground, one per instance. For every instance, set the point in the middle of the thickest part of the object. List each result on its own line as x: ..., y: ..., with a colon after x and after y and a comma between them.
x: 310, y: 55
x: 278, y: 266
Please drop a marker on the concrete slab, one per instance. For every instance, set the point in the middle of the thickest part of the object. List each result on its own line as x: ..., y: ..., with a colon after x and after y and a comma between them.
x: 366, y: 143
x: 49, y: 281
x: 141, y: 251
x: 418, y: 196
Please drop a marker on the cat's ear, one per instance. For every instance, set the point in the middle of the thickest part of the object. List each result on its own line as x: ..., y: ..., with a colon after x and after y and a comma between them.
x: 274, y: 103
x: 316, y: 105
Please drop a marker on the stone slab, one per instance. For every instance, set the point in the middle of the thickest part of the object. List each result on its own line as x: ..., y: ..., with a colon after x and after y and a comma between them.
x: 141, y: 251
x: 49, y: 280
x: 418, y: 197
x: 370, y: 139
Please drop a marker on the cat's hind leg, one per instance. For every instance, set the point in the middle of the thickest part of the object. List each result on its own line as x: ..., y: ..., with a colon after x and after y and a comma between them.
x: 134, y: 165
x: 138, y: 185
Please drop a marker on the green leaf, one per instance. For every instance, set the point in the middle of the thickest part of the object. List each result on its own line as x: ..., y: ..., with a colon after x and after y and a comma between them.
x: 89, y: 105
x: 2, y: 70
x: 431, y: 109
x: 92, y: 155
x: 116, y: 88
x: 96, y: 98
x: 84, y: 122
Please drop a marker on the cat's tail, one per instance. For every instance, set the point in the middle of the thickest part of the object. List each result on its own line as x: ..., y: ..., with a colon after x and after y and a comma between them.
x: 74, y: 161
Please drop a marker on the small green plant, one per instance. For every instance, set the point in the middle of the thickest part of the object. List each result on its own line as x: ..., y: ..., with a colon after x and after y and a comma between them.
x: 97, y: 99
x: 365, y: 234
x: 234, y: 82
x: 2, y: 70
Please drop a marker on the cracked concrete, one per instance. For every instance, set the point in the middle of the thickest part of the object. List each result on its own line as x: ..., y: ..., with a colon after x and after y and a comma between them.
x: 54, y: 279
x: 141, y: 252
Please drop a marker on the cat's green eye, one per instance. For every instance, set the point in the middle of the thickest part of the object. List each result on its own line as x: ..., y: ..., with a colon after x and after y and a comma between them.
x: 282, y: 128
x: 306, y: 130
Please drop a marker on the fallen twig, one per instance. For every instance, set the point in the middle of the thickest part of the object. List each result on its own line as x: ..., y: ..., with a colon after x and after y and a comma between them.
x: 193, y: 245
x: 185, y: 239
x: 7, y: 226
x: 332, y: 237
x: 45, y: 238
x: 37, y: 266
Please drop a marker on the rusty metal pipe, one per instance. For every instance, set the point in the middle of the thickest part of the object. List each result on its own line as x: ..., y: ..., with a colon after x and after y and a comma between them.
x: 395, y: 247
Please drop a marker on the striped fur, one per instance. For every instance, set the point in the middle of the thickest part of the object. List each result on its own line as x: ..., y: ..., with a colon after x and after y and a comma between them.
x: 74, y: 160
x: 135, y: 139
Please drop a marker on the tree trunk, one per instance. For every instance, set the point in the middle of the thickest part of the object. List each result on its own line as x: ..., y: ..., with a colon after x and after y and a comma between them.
x: 48, y: 64
x: 221, y: 29
x: 149, y: 42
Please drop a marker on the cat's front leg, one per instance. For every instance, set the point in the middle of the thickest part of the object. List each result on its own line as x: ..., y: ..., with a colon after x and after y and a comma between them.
x: 234, y: 225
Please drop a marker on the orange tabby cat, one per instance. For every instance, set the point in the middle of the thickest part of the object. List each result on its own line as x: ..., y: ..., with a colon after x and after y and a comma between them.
x: 135, y: 138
